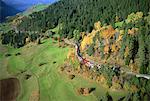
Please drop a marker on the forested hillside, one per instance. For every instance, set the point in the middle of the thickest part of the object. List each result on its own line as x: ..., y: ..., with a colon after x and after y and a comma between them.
x: 124, y: 46
x: 127, y: 44
x: 75, y: 15
x: 109, y: 44
x: 81, y: 15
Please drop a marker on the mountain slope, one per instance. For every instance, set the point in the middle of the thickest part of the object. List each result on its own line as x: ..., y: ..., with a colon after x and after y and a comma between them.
x: 6, y: 10
x: 74, y: 15
x: 81, y: 15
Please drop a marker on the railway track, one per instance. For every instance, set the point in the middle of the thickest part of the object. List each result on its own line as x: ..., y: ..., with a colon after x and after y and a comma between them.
x: 93, y: 64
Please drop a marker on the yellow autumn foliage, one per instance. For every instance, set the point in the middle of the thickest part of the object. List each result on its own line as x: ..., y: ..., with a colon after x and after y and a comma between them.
x: 126, y: 52
x: 96, y: 44
x: 134, y: 68
x: 83, y: 34
x: 71, y: 54
x: 88, y: 39
x: 120, y: 35
x: 117, y: 30
x: 139, y: 14
x: 97, y: 25
x: 121, y: 32
x: 119, y: 38
x: 132, y: 31
x: 106, y: 49
x: 108, y: 33
x: 114, y: 48
x: 134, y: 17
x: 116, y: 18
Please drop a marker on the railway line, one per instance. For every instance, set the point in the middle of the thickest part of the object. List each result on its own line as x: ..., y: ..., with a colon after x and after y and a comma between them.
x: 93, y: 64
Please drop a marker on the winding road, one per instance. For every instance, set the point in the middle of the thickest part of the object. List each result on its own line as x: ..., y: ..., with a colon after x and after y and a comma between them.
x: 92, y: 64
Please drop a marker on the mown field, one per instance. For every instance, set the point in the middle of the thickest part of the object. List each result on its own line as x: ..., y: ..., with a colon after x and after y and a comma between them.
x: 37, y: 68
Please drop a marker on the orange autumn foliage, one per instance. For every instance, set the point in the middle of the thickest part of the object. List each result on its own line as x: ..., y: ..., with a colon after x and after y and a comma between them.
x: 106, y: 49
x: 114, y: 48
x: 108, y: 33
x: 132, y: 31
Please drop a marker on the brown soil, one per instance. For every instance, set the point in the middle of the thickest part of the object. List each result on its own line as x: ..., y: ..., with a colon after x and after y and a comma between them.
x: 9, y: 89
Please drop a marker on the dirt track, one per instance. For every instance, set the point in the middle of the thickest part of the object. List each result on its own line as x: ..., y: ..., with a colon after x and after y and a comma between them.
x: 9, y: 89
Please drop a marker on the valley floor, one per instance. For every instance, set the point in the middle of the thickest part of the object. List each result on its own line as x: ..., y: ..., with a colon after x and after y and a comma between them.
x: 36, y: 68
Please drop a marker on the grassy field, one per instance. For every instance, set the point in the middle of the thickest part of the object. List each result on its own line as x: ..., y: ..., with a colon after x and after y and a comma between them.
x: 37, y: 70
x: 35, y: 8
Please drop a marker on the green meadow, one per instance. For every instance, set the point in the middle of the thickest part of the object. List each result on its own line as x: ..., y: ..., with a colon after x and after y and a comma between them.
x: 37, y: 68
